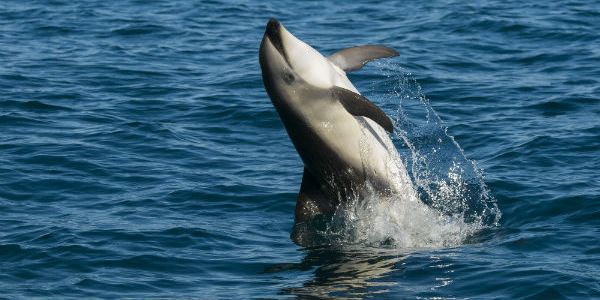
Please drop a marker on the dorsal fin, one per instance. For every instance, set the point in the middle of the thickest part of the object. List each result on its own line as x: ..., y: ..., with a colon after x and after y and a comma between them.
x: 357, y: 105
x: 354, y: 58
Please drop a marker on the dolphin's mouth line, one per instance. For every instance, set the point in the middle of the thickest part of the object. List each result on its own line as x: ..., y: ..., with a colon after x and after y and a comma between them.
x: 273, y: 33
x: 279, y: 47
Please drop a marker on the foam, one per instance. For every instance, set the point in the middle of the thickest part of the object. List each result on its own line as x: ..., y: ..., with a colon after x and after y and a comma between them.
x: 448, y: 201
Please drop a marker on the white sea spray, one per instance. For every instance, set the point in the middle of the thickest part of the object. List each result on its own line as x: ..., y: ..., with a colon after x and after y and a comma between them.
x: 443, y: 203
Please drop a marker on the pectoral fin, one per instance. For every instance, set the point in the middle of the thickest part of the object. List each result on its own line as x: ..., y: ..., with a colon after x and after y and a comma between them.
x: 354, y: 58
x: 357, y: 105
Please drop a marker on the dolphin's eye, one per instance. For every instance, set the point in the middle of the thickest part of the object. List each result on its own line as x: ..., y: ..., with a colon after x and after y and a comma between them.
x: 288, y: 77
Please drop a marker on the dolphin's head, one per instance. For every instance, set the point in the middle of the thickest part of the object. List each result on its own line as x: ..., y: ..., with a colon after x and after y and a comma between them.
x: 289, y: 64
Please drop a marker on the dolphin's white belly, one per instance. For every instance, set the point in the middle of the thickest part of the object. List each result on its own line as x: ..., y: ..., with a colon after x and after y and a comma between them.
x: 361, y: 143
x: 365, y: 144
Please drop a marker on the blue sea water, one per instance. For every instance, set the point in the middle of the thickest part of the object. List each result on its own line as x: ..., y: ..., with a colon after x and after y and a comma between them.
x: 140, y: 156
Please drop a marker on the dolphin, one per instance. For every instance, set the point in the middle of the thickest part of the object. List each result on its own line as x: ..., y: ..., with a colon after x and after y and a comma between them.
x: 341, y: 136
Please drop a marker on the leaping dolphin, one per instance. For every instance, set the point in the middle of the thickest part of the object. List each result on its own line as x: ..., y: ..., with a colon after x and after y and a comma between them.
x: 341, y: 136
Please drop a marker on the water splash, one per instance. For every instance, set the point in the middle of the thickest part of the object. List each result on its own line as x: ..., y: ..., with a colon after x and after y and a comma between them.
x: 449, y: 201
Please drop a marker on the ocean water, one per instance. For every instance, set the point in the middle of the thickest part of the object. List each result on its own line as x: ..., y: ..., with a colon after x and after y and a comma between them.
x: 140, y: 156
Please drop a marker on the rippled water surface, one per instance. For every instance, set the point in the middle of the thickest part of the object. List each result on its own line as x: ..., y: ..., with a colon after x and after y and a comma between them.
x: 141, y: 157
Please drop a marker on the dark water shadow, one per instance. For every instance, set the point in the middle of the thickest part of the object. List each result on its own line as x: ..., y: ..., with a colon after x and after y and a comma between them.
x: 344, y: 273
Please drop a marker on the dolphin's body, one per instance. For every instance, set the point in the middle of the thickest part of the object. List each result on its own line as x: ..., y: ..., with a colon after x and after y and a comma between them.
x: 340, y: 135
